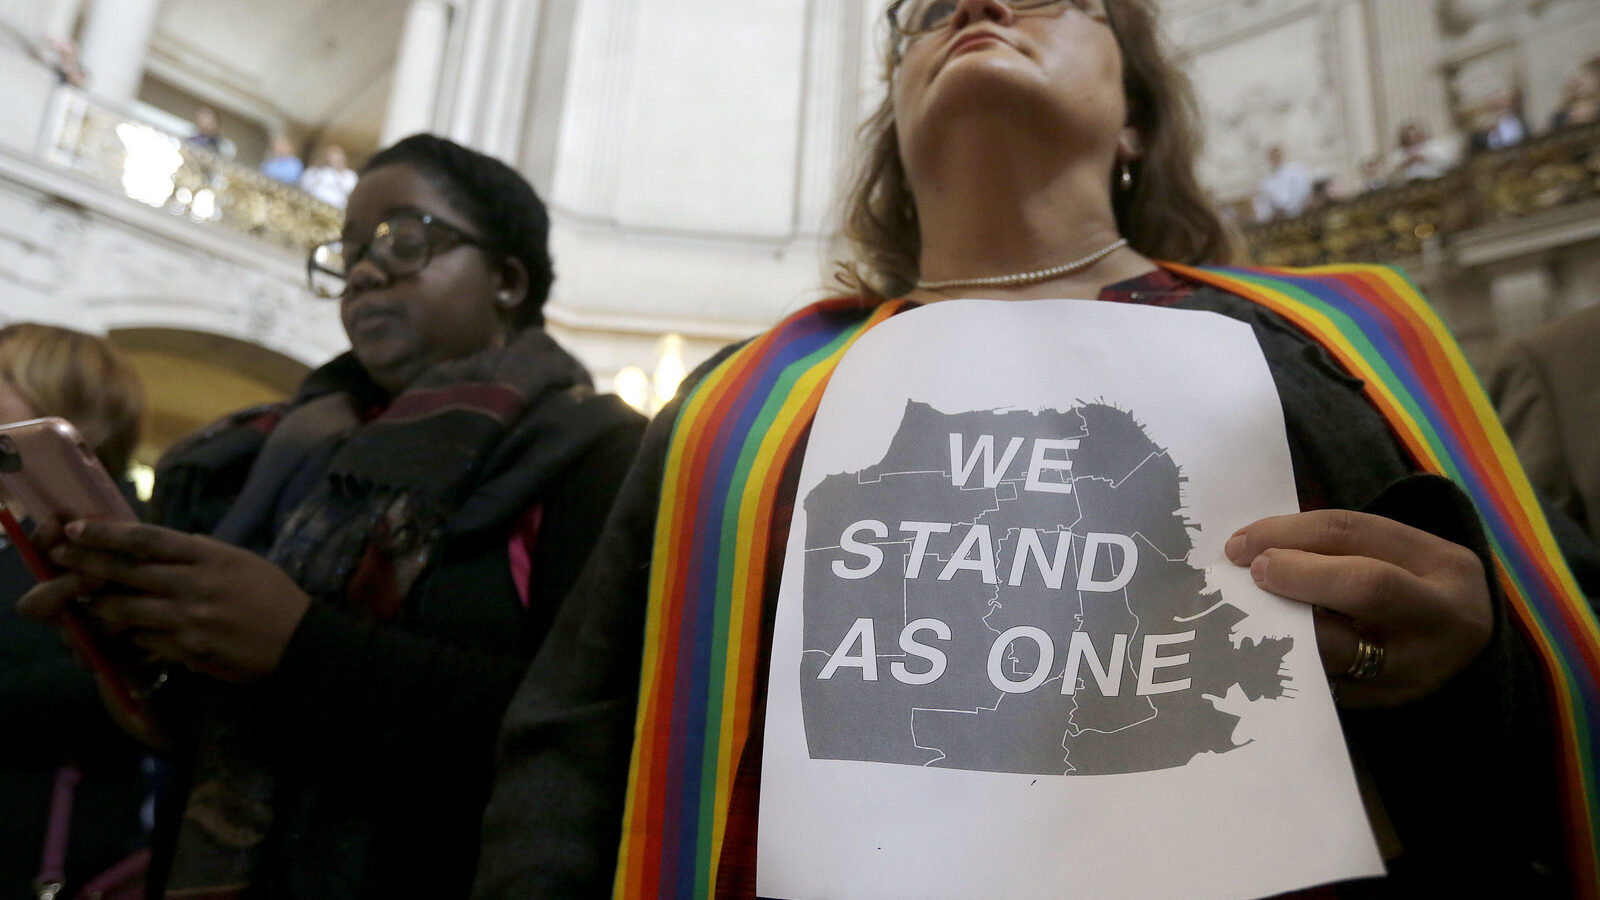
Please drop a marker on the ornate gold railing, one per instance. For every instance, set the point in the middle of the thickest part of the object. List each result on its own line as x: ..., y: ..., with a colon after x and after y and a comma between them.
x: 1409, y: 220
x: 161, y: 170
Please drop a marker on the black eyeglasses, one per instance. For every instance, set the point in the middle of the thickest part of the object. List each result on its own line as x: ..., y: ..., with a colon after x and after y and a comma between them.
x: 909, y: 18
x: 401, y: 245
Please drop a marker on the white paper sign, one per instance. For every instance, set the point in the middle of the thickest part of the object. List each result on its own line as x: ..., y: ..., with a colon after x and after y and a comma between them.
x: 1010, y: 658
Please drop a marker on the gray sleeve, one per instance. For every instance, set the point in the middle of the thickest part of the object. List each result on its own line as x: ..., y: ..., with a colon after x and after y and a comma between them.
x: 1522, y: 399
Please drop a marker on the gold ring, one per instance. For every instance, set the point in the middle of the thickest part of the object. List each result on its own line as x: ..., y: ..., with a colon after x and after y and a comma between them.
x: 1369, y: 659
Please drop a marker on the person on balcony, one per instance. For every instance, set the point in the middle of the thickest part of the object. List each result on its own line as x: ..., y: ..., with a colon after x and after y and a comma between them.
x: 208, y: 133
x: 1580, y: 100
x: 283, y: 163
x: 61, y: 55
x: 1501, y: 126
x: 330, y: 180
x: 389, y: 548
x: 1286, y: 190
x: 1420, y: 157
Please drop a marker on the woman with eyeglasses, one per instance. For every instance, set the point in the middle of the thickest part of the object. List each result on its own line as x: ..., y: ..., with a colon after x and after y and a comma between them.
x: 389, y: 548
x: 1025, y: 149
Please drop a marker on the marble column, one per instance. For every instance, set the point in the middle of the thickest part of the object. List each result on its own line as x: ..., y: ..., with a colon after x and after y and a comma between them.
x: 830, y: 109
x: 472, y: 70
x: 414, y: 89
x: 506, y: 96
x: 1406, y: 46
x: 594, y: 111
x: 116, y: 38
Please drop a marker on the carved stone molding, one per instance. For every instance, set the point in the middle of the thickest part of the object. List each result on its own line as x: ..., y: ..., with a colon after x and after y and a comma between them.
x: 1296, y: 100
x: 1222, y: 21
x: 1462, y: 17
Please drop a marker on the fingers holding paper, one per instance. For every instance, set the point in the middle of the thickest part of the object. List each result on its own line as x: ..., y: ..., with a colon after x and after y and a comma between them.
x: 1399, y: 611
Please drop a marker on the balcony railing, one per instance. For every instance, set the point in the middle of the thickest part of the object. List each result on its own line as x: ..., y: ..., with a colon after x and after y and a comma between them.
x: 162, y: 171
x: 1422, y: 217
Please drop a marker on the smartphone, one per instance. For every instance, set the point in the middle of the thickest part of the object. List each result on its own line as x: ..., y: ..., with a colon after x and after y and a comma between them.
x: 50, y: 470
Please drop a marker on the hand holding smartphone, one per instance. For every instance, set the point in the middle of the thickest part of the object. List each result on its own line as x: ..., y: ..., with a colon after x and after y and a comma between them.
x: 48, y: 469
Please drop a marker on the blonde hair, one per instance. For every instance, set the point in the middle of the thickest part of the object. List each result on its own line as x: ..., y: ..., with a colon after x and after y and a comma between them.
x: 1164, y: 215
x: 81, y: 378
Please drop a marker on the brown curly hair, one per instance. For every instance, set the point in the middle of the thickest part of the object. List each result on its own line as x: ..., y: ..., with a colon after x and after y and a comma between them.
x: 1165, y: 215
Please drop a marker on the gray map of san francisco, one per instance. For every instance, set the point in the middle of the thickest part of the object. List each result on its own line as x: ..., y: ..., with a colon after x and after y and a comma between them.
x: 985, y: 543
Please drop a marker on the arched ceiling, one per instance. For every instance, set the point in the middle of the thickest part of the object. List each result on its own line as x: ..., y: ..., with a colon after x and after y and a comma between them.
x: 193, y: 378
x: 315, y: 67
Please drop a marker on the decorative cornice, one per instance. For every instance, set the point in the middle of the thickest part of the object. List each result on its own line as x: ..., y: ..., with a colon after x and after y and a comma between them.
x: 1208, y: 26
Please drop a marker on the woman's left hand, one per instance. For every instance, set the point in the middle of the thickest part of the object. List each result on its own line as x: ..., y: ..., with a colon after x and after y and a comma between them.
x: 213, y: 607
x: 1421, y: 598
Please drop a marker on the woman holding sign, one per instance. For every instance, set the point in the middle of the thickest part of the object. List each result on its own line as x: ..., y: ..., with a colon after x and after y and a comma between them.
x: 1030, y: 150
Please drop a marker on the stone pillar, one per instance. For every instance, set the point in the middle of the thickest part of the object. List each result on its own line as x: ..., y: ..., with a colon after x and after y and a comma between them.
x: 546, y: 94
x: 594, y: 112
x: 116, y: 38
x: 1364, y: 137
x: 472, y: 70
x: 414, y: 89
x: 505, y: 100
x: 830, y: 109
x: 1406, y: 45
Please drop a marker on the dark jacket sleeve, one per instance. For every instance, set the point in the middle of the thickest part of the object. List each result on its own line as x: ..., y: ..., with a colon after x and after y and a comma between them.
x: 554, y: 816
x: 48, y: 700
x: 1465, y: 773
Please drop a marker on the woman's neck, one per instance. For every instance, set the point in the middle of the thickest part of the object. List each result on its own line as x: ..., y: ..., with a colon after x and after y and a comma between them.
x: 984, y: 211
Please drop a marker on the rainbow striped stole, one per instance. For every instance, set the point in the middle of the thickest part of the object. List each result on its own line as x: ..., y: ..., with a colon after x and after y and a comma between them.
x: 1373, y: 320
x: 735, y: 433
x: 740, y: 425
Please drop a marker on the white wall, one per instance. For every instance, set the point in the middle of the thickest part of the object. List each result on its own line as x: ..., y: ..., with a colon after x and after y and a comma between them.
x: 1332, y: 80
x: 697, y: 165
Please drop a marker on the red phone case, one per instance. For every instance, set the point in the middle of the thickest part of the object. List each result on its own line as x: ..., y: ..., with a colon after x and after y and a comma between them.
x: 47, y: 466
